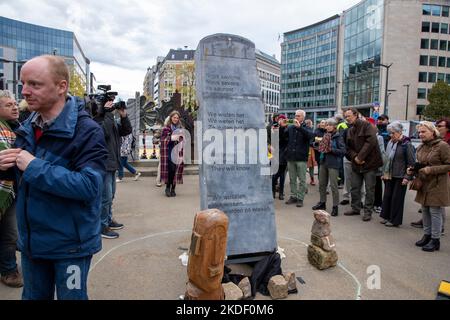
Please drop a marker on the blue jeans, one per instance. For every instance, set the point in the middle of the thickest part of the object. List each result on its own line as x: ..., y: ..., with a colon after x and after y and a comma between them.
x: 124, y: 164
x: 69, y: 276
x: 8, y: 241
x: 109, y: 190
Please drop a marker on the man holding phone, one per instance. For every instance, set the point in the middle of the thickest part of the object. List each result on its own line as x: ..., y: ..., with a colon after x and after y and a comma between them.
x: 299, y: 137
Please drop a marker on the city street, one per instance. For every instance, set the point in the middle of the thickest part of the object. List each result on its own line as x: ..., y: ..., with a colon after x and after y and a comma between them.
x: 143, y: 263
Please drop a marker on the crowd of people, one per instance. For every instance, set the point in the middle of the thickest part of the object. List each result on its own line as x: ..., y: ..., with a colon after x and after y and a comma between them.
x: 58, y: 168
x: 373, y: 161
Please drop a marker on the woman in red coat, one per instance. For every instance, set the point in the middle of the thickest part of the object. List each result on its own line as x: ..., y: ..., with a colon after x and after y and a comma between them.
x: 172, y: 164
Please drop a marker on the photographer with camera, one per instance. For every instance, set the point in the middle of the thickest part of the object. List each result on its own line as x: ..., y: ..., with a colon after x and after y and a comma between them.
x: 433, y: 189
x: 113, y: 131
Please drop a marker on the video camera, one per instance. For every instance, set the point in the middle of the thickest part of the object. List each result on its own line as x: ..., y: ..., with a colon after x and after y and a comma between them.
x: 97, y: 101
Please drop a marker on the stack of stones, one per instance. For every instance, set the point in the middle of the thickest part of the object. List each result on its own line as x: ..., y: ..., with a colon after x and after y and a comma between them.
x: 279, y: 287
x: 322, y: 253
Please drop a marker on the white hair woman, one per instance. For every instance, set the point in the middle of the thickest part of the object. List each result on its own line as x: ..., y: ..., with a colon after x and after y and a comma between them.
x: 432, y: 167
x: 332, y: 150
x: 400, y: 155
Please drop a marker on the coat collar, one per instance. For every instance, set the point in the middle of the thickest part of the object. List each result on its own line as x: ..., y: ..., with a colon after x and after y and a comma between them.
x: 62, y: 127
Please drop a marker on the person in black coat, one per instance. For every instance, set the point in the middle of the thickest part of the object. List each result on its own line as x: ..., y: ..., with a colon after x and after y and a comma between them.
x: 282, y: 146
x: 299, y: 138
x: 113, y: 132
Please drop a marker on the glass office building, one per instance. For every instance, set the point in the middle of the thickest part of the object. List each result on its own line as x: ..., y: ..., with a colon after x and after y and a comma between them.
x: 308, y: 69
x: 363, y: 38
x: 32, y: 40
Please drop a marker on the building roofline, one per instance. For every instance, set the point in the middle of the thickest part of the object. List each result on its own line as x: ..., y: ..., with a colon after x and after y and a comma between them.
x: 313, y: 25
x: 36, y: 25
x: 266, y: 57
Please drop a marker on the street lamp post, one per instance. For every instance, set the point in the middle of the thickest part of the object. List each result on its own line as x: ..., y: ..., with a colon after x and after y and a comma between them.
x: 407, y: 99
x: 386, y: 96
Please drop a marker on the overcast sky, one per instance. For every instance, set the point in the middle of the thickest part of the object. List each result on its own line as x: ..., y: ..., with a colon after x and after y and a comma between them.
x: 122, y: 38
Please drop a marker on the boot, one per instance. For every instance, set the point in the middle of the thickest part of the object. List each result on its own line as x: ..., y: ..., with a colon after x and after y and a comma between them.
x: 168, y: 191
x: 335, y: 211
x: 281, y: 196
x: 320, y: 206
x: 433, y: 245
x: 172, y: 191
x: 425, y: 239
x: 274, y: 194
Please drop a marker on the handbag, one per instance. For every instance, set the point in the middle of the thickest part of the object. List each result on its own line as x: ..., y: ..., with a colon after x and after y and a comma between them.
x: 416, y: 184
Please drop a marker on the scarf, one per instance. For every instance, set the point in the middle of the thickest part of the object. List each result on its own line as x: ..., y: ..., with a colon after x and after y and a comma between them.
x: 391, y: 149
x: 7, y: 138
x: 325, y: 143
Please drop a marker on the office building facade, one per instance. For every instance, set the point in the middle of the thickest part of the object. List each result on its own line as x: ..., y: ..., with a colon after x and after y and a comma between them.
x: 309, y: 69
x: 389, y: 55
x: 29, y: 40
x: 269, y: 73
x: 393, y: 52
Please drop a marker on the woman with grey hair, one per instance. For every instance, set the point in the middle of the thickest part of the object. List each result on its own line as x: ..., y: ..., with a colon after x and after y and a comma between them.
x: 400, y: 155
x: 433, y: 193
x: 332, y: 150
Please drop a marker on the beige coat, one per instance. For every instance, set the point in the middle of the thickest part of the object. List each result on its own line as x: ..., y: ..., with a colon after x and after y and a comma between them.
x: 435, y: 191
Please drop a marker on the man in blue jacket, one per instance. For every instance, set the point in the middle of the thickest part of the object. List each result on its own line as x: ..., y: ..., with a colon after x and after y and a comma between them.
x: 60, y: 153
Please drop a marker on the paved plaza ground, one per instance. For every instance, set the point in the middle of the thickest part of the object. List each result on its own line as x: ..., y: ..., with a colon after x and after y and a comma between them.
x: 143, y: 263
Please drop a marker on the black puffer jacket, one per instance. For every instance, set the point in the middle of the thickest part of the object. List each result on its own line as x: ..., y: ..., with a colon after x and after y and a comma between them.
x: 113, y: 131
x: 298, y: 143
x: 333, y: 159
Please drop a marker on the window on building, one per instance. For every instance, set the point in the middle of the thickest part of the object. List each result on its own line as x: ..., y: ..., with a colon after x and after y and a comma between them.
x: 443, y: 45
x: 445, y: 11
x: 421, y: 93
x: 424, y: 44
x: 441, y: 62
x: 435, y: 27
x: 426, y: 10
x: 436, y: 11
x: 425, y: 26
x: 434, y: 44
x: 423, y: 60
x: 447, y: 78
x: 431, y: 77
x: 441, y: 77
x: 433, y: 61
x: 422, y: 77
x: 444, y: 28
x: 420, y: 108
x: 448, y: 62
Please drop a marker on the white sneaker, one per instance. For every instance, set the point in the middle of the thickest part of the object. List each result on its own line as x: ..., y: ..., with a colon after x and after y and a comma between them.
x: 136, y: 176
x: 159, y: 184
x: 118, y: 180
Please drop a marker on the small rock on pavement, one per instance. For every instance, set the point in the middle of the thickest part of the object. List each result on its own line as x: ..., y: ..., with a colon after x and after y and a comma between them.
x: 292, y: 284
x: 278, y: 287
x: 325, y: 243
x: 321, y: 229
x: 322, y: 259
x: 232, y: 291
x: 246, y: 288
